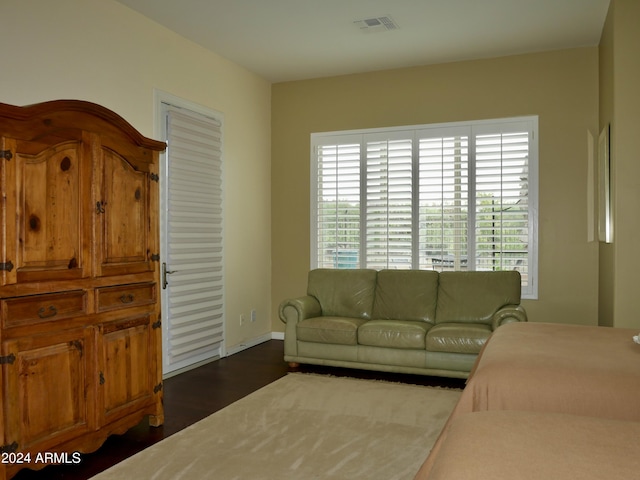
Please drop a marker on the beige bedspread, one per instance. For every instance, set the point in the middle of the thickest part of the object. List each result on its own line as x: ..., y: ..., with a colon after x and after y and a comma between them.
x: 544, y: 367
x: 508, y: 445
x: 552, y: 368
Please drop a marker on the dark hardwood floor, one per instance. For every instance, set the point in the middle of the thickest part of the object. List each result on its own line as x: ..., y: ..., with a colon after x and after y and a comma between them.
x: 193, y: 395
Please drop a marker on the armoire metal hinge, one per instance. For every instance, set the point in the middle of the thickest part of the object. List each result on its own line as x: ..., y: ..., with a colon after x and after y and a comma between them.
x: 155, y: 177
x: 155, y: 257
x: 7, y: 267
x: 157, y: 388
x: 9, y: 448
x: 6, y: 154
x: 8, y: 359
x: 157, y: 324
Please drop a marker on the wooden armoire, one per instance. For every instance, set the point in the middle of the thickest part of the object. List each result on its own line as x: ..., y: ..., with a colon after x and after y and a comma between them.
x: 80, y: 335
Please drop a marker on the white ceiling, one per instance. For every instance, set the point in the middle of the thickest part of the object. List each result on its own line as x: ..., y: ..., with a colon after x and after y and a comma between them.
x: 284, y: 40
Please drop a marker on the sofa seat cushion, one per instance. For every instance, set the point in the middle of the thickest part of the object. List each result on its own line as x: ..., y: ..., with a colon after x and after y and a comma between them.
x: 457, y: 337
x: 338, y: 330
x: 394, y: 333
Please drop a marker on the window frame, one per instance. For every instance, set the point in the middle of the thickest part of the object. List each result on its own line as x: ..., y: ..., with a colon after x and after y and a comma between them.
x: 415, y: 133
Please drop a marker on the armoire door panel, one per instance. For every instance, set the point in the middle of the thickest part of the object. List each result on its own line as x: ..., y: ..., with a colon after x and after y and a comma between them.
x: 48, y: 393
x: 126, y: 379
x: 123, y: 210
x: 51, y: 188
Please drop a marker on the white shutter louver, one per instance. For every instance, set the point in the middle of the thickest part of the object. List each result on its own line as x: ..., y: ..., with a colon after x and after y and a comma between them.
x: 338, y: 200
x: 444, y: 202
x: 194, y: 243
x: 501, y: 202
x: 388, y: 233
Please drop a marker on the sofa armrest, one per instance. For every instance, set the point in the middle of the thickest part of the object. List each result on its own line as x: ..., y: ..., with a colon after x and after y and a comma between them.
x: 508, y: 314
x: 291, y: 312
x: 296, y: 309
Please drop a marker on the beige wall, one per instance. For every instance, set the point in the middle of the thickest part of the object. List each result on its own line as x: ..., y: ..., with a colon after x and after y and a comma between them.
x: 620, y: 107
x: 101, y: 51
x: 561, y: 87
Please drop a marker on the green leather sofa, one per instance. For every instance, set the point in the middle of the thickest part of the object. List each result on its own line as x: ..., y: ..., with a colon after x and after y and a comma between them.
x: 406, y: 321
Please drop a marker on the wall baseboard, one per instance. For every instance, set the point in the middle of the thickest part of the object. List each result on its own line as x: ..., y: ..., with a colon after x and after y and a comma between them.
x: 253, y: 342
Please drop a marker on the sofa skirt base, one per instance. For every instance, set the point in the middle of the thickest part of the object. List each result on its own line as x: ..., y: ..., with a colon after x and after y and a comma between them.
x: 364, y: 357
x: 327, y: 351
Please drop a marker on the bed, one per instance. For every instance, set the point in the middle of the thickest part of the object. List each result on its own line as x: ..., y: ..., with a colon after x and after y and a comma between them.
x: 554, y: 369
x: 544, y: 367
x: 508, y: 445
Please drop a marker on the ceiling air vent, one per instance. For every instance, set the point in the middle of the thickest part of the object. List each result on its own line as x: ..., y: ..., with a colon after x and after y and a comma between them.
x: 377, y: 24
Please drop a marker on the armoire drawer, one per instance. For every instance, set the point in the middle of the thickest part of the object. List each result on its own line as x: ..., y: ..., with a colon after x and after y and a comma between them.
x: 17, y: 311
x: 125, y: 296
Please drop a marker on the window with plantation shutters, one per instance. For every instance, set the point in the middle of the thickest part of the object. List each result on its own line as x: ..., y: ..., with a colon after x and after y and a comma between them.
x: 193, y: 308
x: 460, y: 196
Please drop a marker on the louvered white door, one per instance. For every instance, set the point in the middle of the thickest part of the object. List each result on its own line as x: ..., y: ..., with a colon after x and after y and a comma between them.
x: 192, y: 240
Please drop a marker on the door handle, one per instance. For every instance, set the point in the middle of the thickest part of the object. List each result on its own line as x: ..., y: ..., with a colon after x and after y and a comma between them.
x: 165, y: 272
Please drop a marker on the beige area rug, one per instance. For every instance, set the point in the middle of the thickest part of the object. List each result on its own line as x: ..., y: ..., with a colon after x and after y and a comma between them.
x: 304, y: 427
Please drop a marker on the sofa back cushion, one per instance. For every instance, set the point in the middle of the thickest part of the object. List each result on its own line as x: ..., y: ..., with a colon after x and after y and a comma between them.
x: 406, y: 295
x: 343, y: 293
x: 473, y: 297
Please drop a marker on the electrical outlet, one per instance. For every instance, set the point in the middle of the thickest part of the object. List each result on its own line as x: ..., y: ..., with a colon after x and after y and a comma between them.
x: 253, y: 315
x: 242, y: 319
